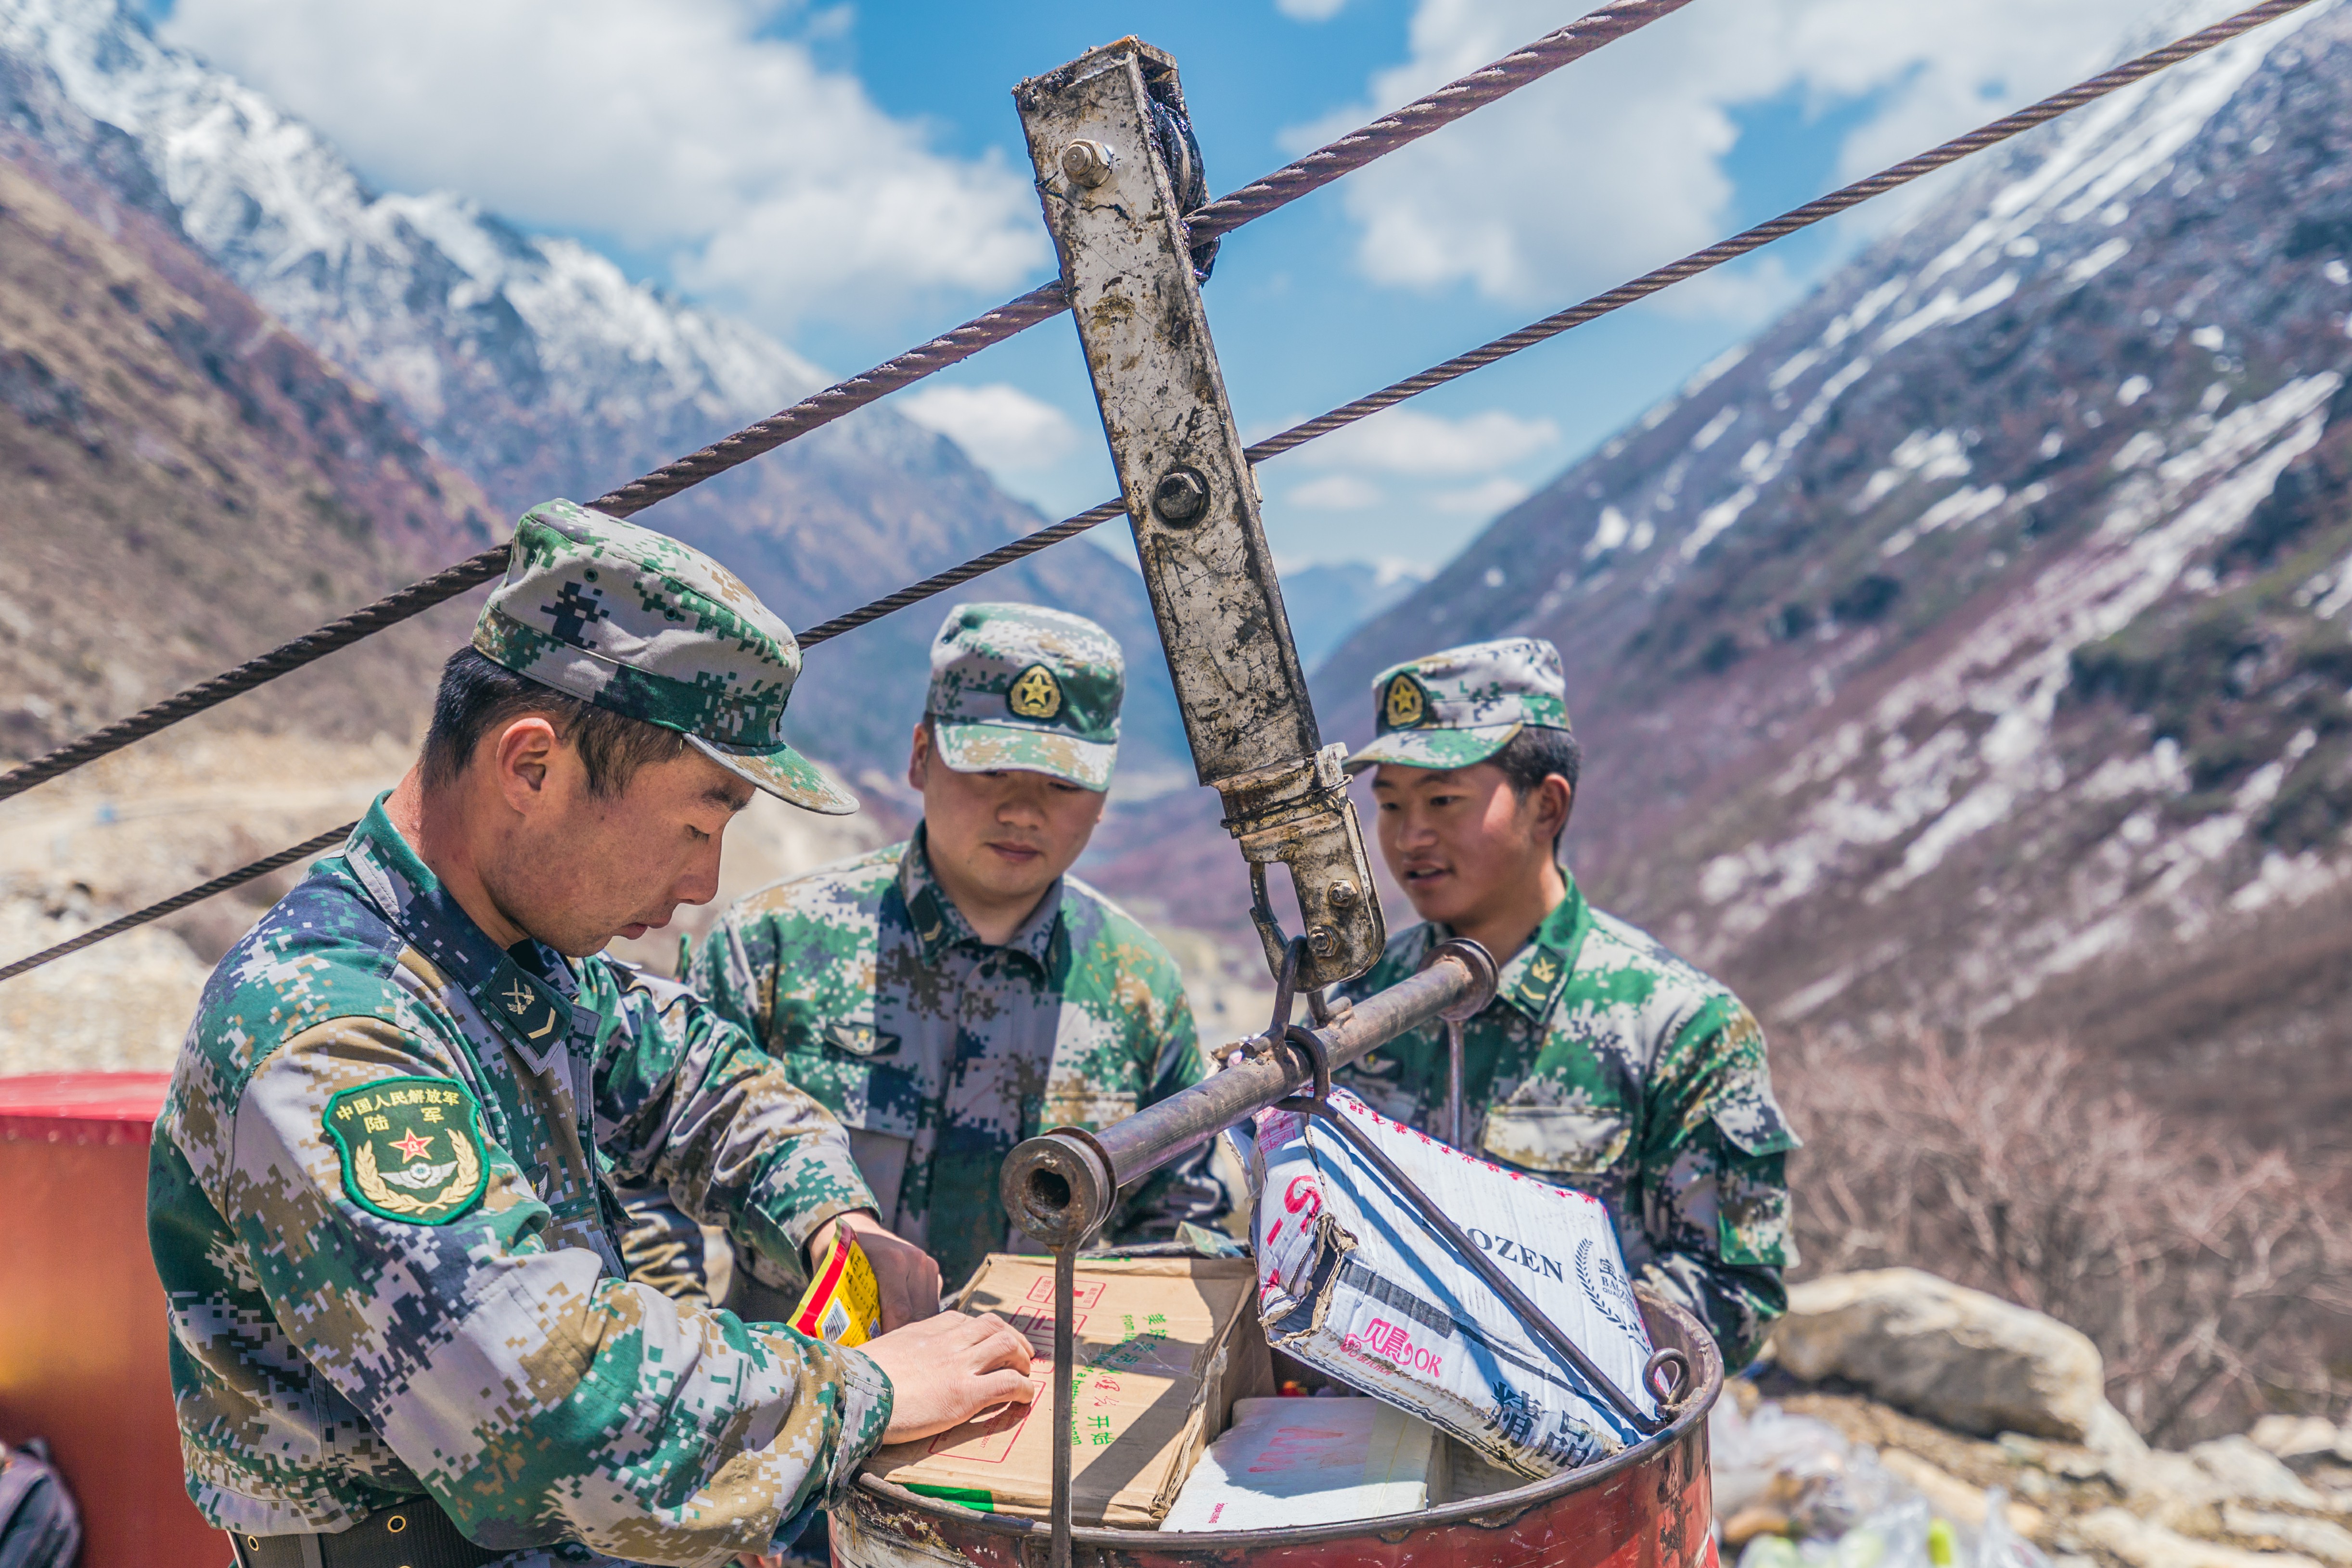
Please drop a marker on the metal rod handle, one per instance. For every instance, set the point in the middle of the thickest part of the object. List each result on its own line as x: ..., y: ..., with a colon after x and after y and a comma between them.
x: 1065, y: 1358
x: 1454, y: 1082
x: 1060, y: 1187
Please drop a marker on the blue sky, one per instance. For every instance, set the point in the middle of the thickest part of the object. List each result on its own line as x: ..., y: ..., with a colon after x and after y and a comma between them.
x: 852, y: 178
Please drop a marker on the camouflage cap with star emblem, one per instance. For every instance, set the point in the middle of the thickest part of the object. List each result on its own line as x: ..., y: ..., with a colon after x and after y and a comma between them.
x: 1018, y: 687
x: 640, y: 625
x: 1458, y: 708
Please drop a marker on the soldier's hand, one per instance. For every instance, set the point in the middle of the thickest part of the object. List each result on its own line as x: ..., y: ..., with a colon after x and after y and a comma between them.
x: 949, y: 1368
x: 907, y: 1276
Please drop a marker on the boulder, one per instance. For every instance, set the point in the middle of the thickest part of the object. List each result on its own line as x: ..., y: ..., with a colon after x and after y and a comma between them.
x: 2146, y: 1545
x: 2297, y: 1438
x: 2244, y: 1473
x: 1955, y: 1357
x: 2320, y: 1538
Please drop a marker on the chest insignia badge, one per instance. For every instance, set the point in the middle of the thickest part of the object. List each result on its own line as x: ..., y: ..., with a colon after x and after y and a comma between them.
x: 1035, y: 694
x: 410, y: 1149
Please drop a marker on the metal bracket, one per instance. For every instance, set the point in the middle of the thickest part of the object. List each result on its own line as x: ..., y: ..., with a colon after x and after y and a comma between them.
x: 1192, y: 499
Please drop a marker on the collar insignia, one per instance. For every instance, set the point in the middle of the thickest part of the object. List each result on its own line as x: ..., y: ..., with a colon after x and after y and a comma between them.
x: 518, y: 998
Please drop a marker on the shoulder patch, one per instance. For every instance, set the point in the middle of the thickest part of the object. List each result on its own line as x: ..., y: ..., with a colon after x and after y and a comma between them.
x: 411, y: 1148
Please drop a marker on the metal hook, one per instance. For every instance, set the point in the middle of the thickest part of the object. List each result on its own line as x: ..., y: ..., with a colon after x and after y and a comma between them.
x: 1286, y: 988
x: 1668, y: 1393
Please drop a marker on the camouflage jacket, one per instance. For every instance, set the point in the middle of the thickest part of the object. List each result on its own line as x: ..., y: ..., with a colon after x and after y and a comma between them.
x: 941, y: 1052
x: 1607, y: 1064
x: 358, y: 1318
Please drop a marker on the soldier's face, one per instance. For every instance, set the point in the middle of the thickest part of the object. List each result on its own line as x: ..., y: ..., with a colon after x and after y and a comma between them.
x: 1460, y: 841
x: 1001, y: 836
x: 575, y: 869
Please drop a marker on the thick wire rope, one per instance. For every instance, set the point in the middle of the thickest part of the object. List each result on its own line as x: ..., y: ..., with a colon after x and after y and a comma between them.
x: 1550, y: 327
x: 1415, y: 119
x: 1617, y: 298
x: 366, y: 621
x: 180, y: 900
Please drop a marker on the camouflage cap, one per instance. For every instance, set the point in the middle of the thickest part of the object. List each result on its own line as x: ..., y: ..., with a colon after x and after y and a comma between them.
x: 1460, y: 707
x: 638, y: 624
x: 1013, y: 685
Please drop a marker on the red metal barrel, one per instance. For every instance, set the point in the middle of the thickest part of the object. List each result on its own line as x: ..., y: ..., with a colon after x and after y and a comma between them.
x: 82, y: 1332
x: 1649, y: 1507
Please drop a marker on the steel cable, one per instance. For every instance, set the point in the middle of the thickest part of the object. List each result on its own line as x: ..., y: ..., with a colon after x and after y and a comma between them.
x: 1551, y: 326
x: 1617, y: 298
x: 390, y: 610
x: 180, y: 900
x: 1432, y: 111
x: 1319, y: 168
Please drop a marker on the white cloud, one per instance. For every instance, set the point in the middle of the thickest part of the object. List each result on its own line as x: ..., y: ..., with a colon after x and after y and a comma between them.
x: 1337, y: 493
x: 1482, y: 500
x: 1578, y: 183
x: 1310, y: 10
x: 1002, y: 426
x: 685, y: 128
x: 1407, y: 441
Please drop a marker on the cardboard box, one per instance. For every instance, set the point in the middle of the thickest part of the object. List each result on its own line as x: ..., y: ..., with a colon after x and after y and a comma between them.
x: 1354, y: 1283
x: 1286, y: 1462
x: 1164, y: 1346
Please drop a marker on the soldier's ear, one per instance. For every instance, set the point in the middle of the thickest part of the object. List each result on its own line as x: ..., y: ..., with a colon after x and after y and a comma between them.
x: 918, y: 755
x: 1552, y: 799
x: 519, y: 757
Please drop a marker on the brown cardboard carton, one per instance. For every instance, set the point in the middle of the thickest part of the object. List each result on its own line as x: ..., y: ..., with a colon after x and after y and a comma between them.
x: 1164, y: 1346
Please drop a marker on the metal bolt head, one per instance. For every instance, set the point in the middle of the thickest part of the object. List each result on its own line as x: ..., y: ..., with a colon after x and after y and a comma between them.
x: 1342, y: 894
x: 1180, y: 497
x: 1322, y: 941
x: 1087, y: 163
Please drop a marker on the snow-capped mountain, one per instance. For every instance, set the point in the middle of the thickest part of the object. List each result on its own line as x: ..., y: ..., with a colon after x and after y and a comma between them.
x: 1974, y: 642
x: 538, y: 366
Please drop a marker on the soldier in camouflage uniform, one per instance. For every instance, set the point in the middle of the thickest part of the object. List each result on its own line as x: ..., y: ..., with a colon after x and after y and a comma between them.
x: 377, y: 1194
x: 950, y: 996
x: 1606, y: 1063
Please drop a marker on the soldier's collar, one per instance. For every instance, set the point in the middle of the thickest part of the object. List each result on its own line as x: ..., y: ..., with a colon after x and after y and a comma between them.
x: 534, y: 1014
x: 939, y: 925
x: 1531, y: 982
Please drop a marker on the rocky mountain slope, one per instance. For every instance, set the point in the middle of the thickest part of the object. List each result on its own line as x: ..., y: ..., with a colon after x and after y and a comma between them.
x: 186, y: 481
x: 1973, y: 645
x: 182, y: 484
x: 536, y: 366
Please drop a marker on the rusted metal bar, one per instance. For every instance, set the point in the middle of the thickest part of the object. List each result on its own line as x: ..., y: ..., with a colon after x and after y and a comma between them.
x: 1065, y: 1366
x: 1098, y: 129
x: 1060, y: 1187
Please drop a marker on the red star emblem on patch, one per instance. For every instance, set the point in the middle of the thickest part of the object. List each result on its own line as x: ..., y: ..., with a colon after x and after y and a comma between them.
x: 412, y: 1148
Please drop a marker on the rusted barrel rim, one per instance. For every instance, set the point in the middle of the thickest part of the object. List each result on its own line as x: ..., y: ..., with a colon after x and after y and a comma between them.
x: 1497, y: 1508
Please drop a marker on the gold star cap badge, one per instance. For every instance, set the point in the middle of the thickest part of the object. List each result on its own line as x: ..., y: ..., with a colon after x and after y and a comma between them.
x: 1035, y: 694
x: 1405, y: 705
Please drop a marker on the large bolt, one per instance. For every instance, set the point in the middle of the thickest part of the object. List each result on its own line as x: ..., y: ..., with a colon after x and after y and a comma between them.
x: 1180, y: 497
x: 1322, y: 941
x: 1342, y: 894
x: 1087, y: 163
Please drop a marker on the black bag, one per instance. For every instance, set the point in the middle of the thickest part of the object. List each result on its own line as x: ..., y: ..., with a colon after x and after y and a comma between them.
x: 39, y: 1527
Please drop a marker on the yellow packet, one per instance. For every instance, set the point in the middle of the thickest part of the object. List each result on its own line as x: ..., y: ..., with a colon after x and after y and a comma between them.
x: 844, y: 1305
